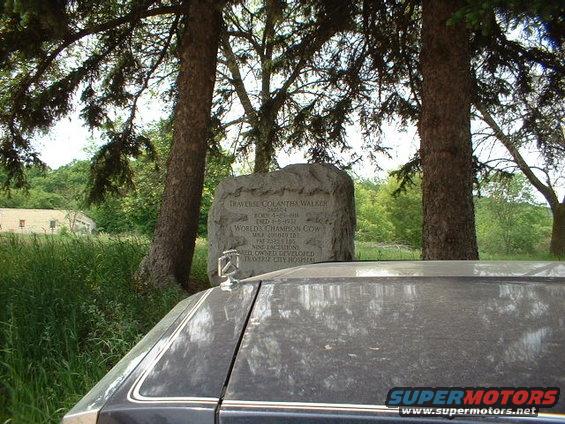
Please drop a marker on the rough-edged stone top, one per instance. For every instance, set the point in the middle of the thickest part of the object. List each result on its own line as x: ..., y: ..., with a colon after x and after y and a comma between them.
x: 300, y: 214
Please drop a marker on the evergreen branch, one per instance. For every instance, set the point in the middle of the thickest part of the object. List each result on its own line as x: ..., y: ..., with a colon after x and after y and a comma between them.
x: 309, y: 46
x: 73, y: 38
x: 521, y: 54
x: 248, y: 37
x: 152, y: 69
x: 545, y: 190
x: 13, y: 147
x: 231, y: 62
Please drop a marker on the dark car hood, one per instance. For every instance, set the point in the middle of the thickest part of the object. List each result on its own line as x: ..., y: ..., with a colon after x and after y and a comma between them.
x: 186, y: 372
x: 342, y: 344
x: 305, y: 350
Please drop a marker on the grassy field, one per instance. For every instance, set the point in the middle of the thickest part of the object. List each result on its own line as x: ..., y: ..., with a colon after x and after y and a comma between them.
x: 366, y: 251
x: 69, y: 311
x: 383, y: 252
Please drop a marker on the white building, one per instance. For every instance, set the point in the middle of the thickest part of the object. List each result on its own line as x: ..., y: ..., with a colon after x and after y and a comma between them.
x: 44, y: 221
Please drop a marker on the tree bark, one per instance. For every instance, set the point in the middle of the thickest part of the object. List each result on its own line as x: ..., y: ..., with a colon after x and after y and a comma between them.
x: 264, y: 142
x: 446, y: 152
x: 170, y: 255
x: 557, y: 246
x: 264, y: 146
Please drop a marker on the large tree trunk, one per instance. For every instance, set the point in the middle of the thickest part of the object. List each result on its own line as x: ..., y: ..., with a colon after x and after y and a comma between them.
x: 557, y: 246
x: 446, y: 153
x: 170, y: 255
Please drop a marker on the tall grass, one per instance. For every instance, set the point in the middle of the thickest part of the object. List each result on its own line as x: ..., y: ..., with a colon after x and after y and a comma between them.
x: 367, y: 251
x: 68, y: 312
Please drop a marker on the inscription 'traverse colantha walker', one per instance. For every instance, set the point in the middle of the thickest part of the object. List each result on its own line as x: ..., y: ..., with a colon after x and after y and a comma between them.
x: 276, y: 203
x: 280, y: 230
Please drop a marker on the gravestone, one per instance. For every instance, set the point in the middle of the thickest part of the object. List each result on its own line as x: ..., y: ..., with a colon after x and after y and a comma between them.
x: 300, y: 214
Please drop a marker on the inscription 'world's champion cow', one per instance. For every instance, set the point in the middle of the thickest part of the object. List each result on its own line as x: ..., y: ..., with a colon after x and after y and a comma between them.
x: 297, y: 215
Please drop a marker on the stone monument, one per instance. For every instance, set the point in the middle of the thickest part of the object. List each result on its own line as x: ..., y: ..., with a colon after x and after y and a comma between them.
x: 300, y: 214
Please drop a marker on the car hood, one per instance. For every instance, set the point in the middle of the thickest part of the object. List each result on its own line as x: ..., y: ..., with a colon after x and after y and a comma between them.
x: 342, y: 344
x: 313, y: 348
x: 179, y: 368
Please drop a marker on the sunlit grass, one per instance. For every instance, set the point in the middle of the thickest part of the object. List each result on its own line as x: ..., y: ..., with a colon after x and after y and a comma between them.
x: 68, y: 312
x: 367, y: 251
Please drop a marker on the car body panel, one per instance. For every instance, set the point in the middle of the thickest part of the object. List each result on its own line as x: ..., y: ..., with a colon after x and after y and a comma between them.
x: 180, y: 367
x: 186, y: 376
x: 390, y: 416
x: 325, y: 342
x: 418, y: 269
x: 340, y: 344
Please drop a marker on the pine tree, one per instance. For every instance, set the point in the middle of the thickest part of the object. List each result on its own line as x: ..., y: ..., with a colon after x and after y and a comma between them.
x: 512, y: 79
x: 519, y: 93
x: 445, y: 138
x: 278, y: 65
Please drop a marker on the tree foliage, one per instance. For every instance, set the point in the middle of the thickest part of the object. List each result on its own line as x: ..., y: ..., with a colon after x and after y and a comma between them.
x: 519, y: 68
x: 280, y: 69
x: 372, y: 223
x: 517, y: 65
x: 298, y: 72
x: 509, y: 220
x: 519, y: 77
x: 103, y: 54
x: 64, y: 188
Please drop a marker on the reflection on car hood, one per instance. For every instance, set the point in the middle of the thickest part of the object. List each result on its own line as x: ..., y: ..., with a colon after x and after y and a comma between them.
x: 419, y: 269
x: 346, y: 342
